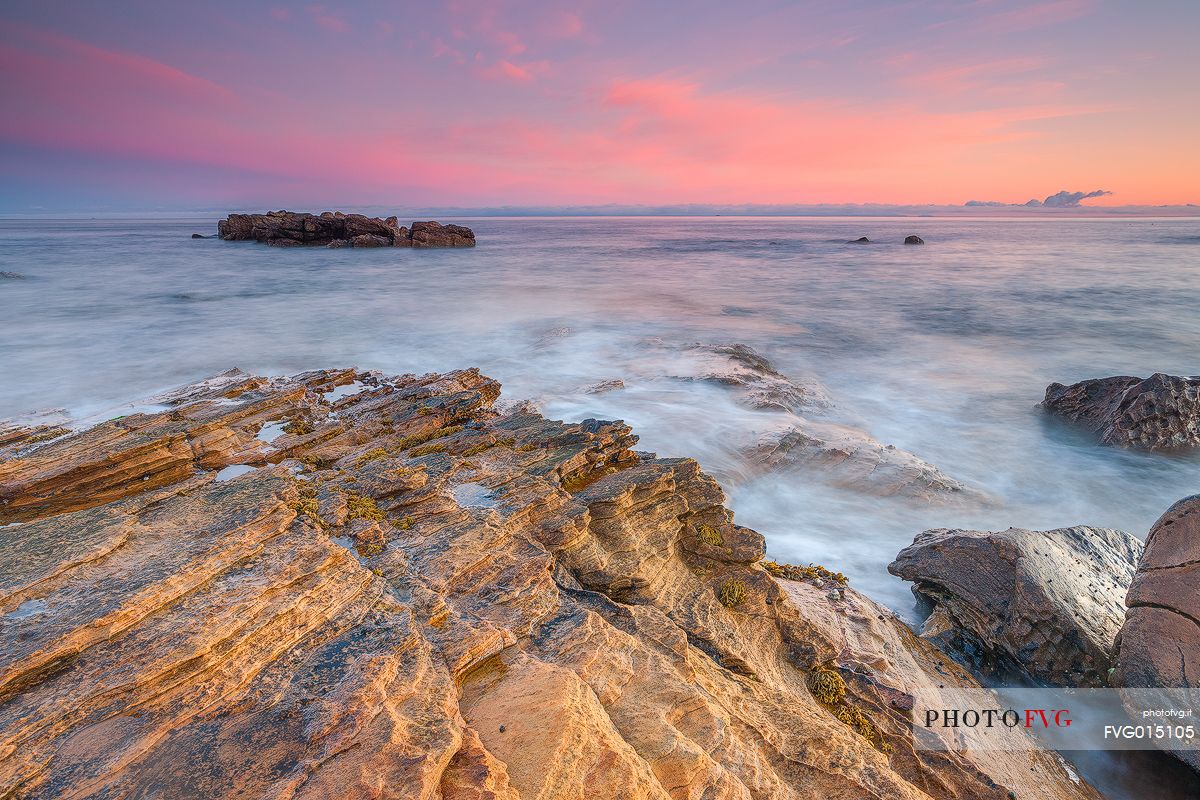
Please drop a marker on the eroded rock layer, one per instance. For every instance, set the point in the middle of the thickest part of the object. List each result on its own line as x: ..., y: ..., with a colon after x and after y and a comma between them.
x: 407, y: 594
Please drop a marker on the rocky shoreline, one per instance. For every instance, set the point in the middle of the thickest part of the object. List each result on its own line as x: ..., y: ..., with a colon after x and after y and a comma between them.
x: 336, y: 229
x: 350, y: 584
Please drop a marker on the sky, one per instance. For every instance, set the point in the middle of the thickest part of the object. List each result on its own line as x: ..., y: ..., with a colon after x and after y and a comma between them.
x: 466, y: 103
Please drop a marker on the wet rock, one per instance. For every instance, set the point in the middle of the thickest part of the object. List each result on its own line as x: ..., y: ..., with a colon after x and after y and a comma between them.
x: 12, y: 276
x: 757, y: 382
x: 604, y: 386
x: 1049, y: 603
x: 433, y: 234
x: 200, y: 236
x: 913, y: 240
x: 370, y: 240
x: 851, y: 459
x: 289, y: 228
x: 1159, y: 645
x: 337, y: 624
x: 1161, y: 412
x: 859, y: 240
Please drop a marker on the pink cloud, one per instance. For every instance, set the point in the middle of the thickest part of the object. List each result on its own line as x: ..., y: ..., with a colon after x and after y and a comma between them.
x: 281, y: 14
x: 506, y: 70
x: 327, y: 20
x: 1036, y: 15
x: 559, y: 24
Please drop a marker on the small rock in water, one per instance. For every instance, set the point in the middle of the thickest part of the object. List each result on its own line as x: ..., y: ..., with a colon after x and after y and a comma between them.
x: 1161, y: 412
x: 16, y: 276
x: 913, y: 240
x: 859, y: 240
x: 608, y: 385
x: 200, y: 236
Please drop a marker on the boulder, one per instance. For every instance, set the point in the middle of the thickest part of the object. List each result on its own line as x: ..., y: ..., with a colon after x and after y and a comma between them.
x: 849, y: 458
x: 288, y: 228
x: 1159, y: 645
x: 433, y: 234
x: 409, y: 593
x: 756, y: 381
x: 913, y: 240
x: 1048, y: 603
x: 1161, y: 412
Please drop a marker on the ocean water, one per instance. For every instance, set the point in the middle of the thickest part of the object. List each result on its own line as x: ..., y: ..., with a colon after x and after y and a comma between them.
x: 943, y: 350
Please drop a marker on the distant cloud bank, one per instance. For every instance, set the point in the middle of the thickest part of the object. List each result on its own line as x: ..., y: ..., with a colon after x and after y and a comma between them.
x: 1063, y: 199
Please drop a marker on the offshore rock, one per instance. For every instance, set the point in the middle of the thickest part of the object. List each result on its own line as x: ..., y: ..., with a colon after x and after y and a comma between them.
x: 1161, y: 412
x: 1159, y: 645
x: 756, y: 381
x: 849, y: 458
x: 913, y: 240
x: 413, y: 595
x: 835, y: 453
x: 1049, y: 603
x: 335, y: 229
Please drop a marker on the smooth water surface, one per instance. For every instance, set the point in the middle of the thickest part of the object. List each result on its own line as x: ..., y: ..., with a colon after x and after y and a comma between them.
x: 942, y: 349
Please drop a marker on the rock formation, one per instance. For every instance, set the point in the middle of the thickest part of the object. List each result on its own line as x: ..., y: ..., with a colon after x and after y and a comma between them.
x: 913, y: 240
x: 758, y: 384
x: 859, y: 240
x: 1159, y: 644
x: 851, y: 459
x: 1161, y: 412
x: 335, y: 229
x: 1049, y: 603
x: 407, y: 594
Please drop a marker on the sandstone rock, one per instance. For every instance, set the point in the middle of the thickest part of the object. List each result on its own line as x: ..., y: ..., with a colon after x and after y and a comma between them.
x: 835, y: 453
x: 757, y: 382
x: 1049, y: 603
x: 288, y: 229
x: 1159, y: 644
x: 416, y: 596
x: 607, y: 385
x: 849, y: 458
x: 913, y: 240
x: 1161, y: 412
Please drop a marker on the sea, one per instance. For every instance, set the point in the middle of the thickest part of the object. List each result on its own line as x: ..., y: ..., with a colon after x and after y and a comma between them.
x: 943, y: 350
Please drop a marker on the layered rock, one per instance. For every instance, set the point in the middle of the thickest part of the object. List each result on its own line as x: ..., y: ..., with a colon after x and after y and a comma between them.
x: 835, y: 453
x: 758, y: 384
x: 414, y: 595
x: 1161, y: 412
x: 1049, y: 603
x: 335, y: 229
x: 1159, y: 644
x: 849, y: 458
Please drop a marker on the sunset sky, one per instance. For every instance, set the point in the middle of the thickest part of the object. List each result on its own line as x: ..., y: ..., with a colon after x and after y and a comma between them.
x: 162, y: 104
